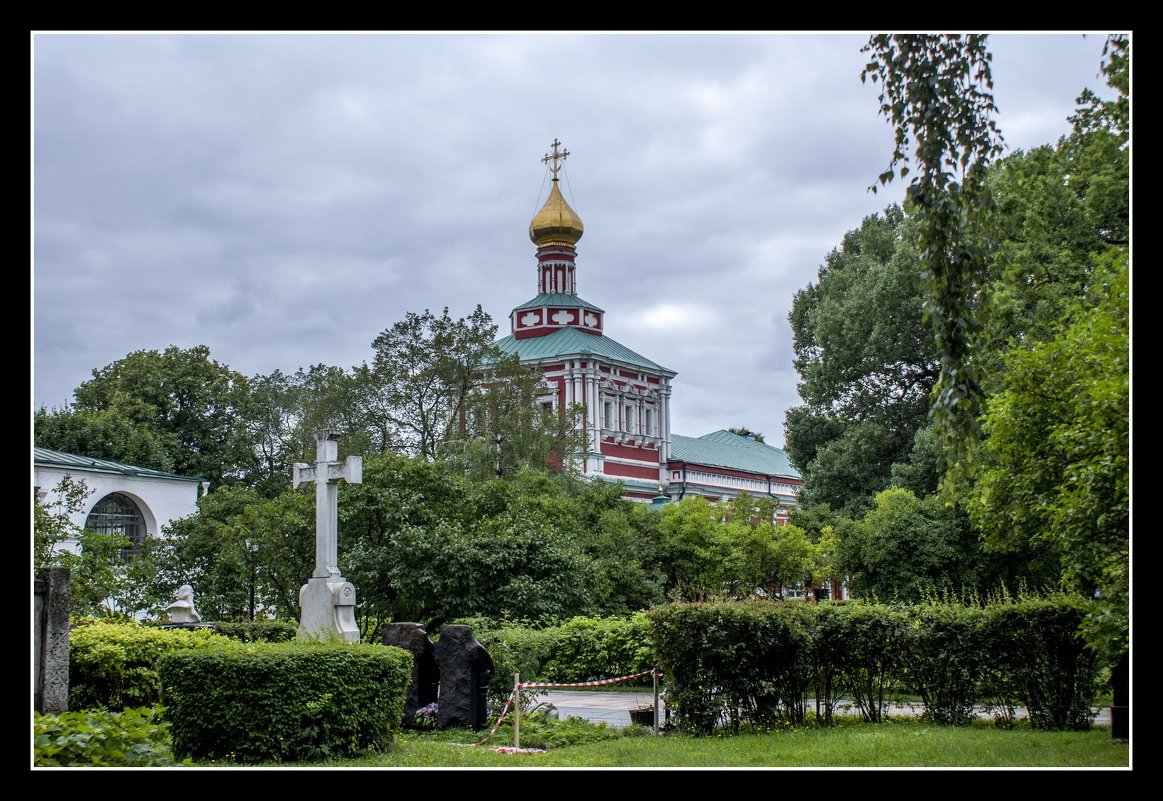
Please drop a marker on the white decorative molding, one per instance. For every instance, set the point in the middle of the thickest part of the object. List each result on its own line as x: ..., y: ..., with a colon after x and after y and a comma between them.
x: 532, y: 318
x: 591, y: 320
x: 752, y: 485
x: 562, y: 317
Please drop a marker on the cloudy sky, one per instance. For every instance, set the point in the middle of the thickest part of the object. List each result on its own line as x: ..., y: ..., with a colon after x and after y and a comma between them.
x: 284, y: 198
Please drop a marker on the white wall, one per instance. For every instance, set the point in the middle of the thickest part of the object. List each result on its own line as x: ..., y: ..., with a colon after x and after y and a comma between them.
x: 160, y: 500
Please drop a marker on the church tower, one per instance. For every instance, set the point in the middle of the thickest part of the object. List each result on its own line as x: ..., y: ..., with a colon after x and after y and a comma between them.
x: 627, y: 396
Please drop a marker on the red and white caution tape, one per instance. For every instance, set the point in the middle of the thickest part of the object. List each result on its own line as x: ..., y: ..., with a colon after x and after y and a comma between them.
x: 497, y: 725
x: 525, y: 685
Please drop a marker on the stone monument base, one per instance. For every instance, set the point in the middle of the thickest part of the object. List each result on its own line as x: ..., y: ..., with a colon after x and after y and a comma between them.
x: 328, y: 605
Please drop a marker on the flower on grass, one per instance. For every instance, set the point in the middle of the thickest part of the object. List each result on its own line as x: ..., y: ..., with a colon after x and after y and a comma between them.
x: 426, y: 716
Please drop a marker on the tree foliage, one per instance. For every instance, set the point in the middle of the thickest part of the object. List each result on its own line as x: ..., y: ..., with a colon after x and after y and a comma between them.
x: 175, y: 410
x: 867, y: 364
x: 103, y: 579
x: 1056, y: 458
x: 936, y: 91
x: 505, y: 427
x: 421, y: 376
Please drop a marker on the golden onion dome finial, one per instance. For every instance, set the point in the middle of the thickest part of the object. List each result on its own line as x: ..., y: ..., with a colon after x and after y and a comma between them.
x: 556, y: 223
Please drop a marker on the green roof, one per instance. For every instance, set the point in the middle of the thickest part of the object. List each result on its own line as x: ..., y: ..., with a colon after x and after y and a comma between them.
x: 572, y: 342
x: 724, y: 449
x: 557, y: 299
x: 45, y: 457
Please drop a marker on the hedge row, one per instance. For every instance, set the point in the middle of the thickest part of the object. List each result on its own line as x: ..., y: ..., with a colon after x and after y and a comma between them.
x: 222, y: 698
x: 581, y: 649
x: 113, y: 664
x: 755, y: 662
x: 284, y: 702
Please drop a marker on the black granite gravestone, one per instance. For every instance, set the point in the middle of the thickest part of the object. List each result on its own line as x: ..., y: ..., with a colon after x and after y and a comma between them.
x: 425, y: 674
x: 465, y: 670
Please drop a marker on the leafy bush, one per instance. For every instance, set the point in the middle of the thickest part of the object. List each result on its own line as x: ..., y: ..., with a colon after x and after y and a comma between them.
x: 113, y: 664
x: 869, y: 662
x: 1041, y: 662
x: 588, y: 648
x: 824, y: 626
x: 945, y: 655
x: 731, y: 663
x: 100, y: 738
x: 260, y: 630
x: 284, y: 702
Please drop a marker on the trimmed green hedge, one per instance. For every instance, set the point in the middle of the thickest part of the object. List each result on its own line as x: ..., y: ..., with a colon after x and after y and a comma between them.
x: 113, y: 665
x: 1041, y: 663
x: 731, y: 663
x: 754, y: 662
x: 947, y: 660
x: 588, y: 648
x: 284, y: 702
x: 581, y: 649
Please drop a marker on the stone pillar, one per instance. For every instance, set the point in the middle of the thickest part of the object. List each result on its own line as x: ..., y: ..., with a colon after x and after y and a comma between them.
x: 51, y: 641
x: 425, y: 674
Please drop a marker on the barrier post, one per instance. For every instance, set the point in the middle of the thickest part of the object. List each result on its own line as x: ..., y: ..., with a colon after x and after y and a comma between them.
x: 517, y: 710
x: 654, y: 673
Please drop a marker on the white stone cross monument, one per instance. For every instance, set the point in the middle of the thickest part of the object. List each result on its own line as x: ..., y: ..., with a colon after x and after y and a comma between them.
x: 327, y: 600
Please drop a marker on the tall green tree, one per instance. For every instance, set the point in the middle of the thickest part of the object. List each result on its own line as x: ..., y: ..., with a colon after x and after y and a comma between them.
x: 867, y: 364
x: 506, y: 428
x: 1056, y: 458
x: 103, y: 578
x: 241, y: 543
x: 906, y: 548
x: 176, y: 407
x: 421, y: 376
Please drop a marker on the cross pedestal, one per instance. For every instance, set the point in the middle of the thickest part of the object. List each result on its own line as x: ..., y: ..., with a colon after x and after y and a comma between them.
x: 327, y: 600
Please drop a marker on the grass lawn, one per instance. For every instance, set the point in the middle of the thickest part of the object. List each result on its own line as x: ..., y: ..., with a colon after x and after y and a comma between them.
x: 895, y: 744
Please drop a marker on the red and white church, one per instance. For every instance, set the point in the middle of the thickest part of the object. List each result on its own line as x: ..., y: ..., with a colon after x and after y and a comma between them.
x: 627, y: 397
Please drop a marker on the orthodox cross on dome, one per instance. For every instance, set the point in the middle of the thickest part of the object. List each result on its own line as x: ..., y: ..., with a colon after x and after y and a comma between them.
x: 555, y: 158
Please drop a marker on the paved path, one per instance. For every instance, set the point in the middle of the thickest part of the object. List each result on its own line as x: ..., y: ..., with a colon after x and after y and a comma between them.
x: 597, y: 706
x: 614, y: 708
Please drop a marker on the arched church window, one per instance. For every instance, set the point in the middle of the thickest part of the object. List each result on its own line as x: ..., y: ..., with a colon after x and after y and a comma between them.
x: 118, y: 513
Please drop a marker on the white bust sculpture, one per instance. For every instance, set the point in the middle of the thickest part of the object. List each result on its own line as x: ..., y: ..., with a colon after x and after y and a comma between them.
x: 182, y: 610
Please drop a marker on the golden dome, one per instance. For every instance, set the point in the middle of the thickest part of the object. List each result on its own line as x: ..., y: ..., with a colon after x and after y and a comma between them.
x: 556, y: 223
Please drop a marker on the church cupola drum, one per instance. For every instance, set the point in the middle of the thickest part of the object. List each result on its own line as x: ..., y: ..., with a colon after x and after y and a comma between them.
x: 555, y: 230
x: 626, y: 396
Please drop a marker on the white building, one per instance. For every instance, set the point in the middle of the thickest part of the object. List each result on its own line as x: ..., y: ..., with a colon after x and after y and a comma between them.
x: 136, y: 501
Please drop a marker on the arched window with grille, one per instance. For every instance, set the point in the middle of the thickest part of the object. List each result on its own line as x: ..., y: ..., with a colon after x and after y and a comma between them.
x: 117, y: 513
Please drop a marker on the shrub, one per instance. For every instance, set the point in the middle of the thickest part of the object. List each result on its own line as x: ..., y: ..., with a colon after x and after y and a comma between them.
x: 945, y: 655
x: 113, y: 665
x: 1041, y: 662
x: 823, y: 624
x: 588, y: 648
x: 100, y: 738
x: 731, y: 663
x: 260, y: 630
x: 284, y: 702
x: 869, y: 661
